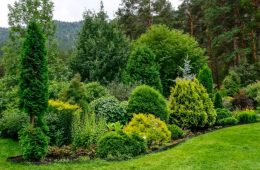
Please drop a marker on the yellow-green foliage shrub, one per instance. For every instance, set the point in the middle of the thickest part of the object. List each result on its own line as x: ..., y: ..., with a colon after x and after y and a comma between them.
x: 153, y: 130
x: 60, y: 119
x: 190, y: 105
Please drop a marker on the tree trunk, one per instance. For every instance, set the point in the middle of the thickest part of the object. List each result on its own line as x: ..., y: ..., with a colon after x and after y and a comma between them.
x: 32, y: 119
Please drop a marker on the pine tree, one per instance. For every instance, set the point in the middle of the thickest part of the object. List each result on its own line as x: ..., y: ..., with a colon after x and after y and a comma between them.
x: 141, y: 67
x: 136, y: 16
x: 34, y: 75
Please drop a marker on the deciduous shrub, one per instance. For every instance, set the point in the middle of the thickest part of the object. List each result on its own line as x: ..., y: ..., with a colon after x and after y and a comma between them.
x: 190, y: 105
x: 141, y: 67
x: 248, y: 116
x: 206, y: 79
x: 176, y: 131
x: 118, y: 146
x: 11, y: 122
x: 150, y: 128
x: 60, y: 119
x: 171, y: 51
x: 109, y: 108
x: 218, y: 103
x: 232, y: 83
x: 87, y: 134
x: 145, y: 99
x: 94, y: 91
x: 242, y: 101
x: 228, y: 121
x: 34, y: 143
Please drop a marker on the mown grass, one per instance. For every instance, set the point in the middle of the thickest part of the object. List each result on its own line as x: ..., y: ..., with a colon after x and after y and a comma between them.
x: 231, y: 148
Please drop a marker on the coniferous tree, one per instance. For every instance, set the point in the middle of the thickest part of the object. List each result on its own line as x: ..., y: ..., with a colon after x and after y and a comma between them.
x: 34, y: 75
x: 141, y: 67
x: 102, y: 49
x: 218, y: 103
x: 136, y: 16
x: 205, y: 78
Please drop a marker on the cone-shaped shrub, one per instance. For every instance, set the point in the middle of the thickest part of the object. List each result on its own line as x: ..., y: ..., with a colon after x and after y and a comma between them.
x: 218, y: 103
x: 190, y: 105
x: 205, y: 78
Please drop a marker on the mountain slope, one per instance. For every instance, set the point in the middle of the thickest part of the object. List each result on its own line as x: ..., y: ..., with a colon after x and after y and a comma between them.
x: 66, y: 34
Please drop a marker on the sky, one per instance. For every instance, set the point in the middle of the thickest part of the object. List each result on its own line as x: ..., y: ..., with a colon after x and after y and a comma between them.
x: 71, y: 10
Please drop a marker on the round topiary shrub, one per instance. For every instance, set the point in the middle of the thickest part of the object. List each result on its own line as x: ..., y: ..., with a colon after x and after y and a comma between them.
x: 145, y: 99
x: 94, y: 90
x: 176, y: 131
x: 118, y: 146
x: 34, y: 143
x: 150, y: 128
x: 109, y: 108
x: 190, y: 105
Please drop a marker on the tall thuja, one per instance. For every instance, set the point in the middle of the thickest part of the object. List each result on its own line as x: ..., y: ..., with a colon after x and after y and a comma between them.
x: 34, y: 75
x: 206, y: 79
x: 34, y: 93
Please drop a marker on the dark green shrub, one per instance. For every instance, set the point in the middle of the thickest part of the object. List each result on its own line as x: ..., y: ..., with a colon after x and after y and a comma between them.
x: 34, y: 143
x: 222, y: 114
x: 87, y: 134
x: 152, y: 129
x: 94, y: 91
x: 11, y: 122
x: 228, y: 121
x: 60, y: 119
x: 190, y: 105
x: 176, y: 132
x: 118, y: 146
x: 206, y: 79
x: 246, y: 116
x: 141, y: 67
x: 218, y: 103
x: 109, y: 108
x: 232, y: 83
x: 145, y: 99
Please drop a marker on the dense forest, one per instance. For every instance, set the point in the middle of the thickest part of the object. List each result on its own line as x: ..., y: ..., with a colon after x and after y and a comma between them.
x: 66, y: 34
x: 116, y: 88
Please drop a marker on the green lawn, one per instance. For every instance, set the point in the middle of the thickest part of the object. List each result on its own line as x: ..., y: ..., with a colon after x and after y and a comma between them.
x: 231, y: 148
